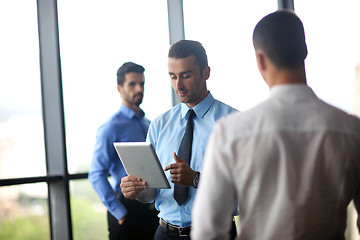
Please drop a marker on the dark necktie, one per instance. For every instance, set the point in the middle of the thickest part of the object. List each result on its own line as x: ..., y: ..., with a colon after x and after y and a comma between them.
x: 181, y: 192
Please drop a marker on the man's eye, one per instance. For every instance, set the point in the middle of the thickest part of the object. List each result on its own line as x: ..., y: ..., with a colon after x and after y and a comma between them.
x: 132, y: 84
x: 186, y: 76
x: 172, y: 77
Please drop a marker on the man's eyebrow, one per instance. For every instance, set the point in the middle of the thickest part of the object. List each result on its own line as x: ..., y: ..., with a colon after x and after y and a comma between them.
x: 134, y: 81
x: 187, y: 71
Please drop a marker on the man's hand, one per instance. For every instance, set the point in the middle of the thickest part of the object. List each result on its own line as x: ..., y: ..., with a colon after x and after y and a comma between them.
x: 181, y: 173
x: 122, y: 220
x: 131, y: 186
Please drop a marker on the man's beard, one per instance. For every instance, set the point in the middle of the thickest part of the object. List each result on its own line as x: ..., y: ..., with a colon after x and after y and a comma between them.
x: 138, y: 102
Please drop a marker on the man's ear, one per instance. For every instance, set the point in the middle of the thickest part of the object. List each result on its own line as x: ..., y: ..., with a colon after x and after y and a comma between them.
x: 260, y: 60
x: 264, y: 65
x: 206, y: 73
x: 119, y: 88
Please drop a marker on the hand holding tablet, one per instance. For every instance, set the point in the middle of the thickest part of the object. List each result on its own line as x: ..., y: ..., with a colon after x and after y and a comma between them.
x: 139, y: 159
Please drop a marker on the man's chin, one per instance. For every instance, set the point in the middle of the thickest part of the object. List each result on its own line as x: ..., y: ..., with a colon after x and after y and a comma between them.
x: 138, y: 103
x: 137, y: 100
x: 183, y: 99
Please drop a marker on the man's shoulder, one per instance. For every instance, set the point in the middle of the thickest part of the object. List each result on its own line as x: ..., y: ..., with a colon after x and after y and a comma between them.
x: 116, y: 118
x: 232, y: 119
x: 341, y: 120
x: 146, y: 119
x: 116, y: 121
x: 224, y: 105
x: 167, y: 115
x: 221, y: 109
x: 242, y: 123
x: 317, y: 115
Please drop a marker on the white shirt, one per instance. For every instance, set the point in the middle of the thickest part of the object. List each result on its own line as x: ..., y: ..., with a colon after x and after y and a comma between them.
x: 292, y: 163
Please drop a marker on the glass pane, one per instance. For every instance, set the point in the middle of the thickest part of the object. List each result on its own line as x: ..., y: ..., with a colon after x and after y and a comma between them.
x: 334, y: 50
x: 225, y: 30
x: 93, y: 47
x: 333, y: 60
x: 89, y: 219
x: 21, y: 127
x: 24, y: 212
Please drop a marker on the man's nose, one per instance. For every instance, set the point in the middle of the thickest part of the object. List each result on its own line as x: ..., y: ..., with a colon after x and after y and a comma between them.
x: 179, y: 83
x: 139, y: 88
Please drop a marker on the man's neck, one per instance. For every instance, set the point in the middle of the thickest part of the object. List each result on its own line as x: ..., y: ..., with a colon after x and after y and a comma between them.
x: 136, y: 108
x: 288, y: 76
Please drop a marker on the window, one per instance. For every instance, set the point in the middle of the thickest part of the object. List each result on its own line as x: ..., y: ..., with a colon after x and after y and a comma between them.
x: 21, y: 130
x: 333, y: 59
x: 24, y: 212
x: 96, y: 37
x: 334, y: 49
x: 225, y: 30
x: 93, y: 47
x: 22, y: 151
x: 89, y: 218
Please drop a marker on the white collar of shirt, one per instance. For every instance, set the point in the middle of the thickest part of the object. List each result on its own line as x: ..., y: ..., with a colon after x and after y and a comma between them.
x: 200, y: 109
x: 292, y: 92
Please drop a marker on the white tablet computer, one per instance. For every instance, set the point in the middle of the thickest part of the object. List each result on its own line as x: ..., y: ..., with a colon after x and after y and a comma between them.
x: 139, y: 159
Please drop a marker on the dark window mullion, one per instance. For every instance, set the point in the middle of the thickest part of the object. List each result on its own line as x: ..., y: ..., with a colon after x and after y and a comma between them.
x: 286, y: 4
x: 53, y: 117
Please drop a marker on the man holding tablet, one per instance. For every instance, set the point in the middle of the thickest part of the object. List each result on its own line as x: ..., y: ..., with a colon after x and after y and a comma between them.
x: 179, y: 137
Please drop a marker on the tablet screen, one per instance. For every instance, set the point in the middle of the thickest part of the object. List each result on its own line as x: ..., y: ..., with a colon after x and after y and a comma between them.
x: 139, y: 159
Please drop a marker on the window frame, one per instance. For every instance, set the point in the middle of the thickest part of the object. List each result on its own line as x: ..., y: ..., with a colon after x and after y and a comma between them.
x: 58, y: 177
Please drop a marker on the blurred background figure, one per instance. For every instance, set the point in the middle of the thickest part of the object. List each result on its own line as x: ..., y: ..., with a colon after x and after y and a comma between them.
x: 127, y: 219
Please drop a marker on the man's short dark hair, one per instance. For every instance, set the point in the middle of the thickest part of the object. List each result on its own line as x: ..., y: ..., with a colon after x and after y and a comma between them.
x: 187, y: 48
x: 128, y: 67
x: 281, y: 36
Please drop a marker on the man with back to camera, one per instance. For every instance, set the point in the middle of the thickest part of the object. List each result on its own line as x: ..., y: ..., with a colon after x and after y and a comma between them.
x: 292, y: 163
x: 188, y: 70
x: 127, y: 219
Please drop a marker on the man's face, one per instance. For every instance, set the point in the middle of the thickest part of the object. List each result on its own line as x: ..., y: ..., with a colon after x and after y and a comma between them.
x: 132, y: 91
x: 187, y: 81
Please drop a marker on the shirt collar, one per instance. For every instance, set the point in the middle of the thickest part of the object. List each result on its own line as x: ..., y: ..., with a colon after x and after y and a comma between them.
x: 201, y: 108
x: 130, y: 113
x: 292, y: 92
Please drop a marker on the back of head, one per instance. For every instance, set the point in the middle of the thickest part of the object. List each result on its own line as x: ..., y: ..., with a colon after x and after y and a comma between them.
x: 187, y: 48
x: 128, y: 67
x: 281, y: 36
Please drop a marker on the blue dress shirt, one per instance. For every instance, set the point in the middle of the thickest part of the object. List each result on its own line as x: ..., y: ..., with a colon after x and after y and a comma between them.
x: 165, y: 134
x: 124, y: 126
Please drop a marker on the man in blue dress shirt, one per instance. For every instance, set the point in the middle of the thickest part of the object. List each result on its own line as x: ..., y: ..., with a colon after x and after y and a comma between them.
x: 188, y: 70
x: 127, y: 219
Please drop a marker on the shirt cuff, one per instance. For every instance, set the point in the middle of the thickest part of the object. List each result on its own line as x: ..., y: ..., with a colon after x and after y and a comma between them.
x: 119, y: 211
